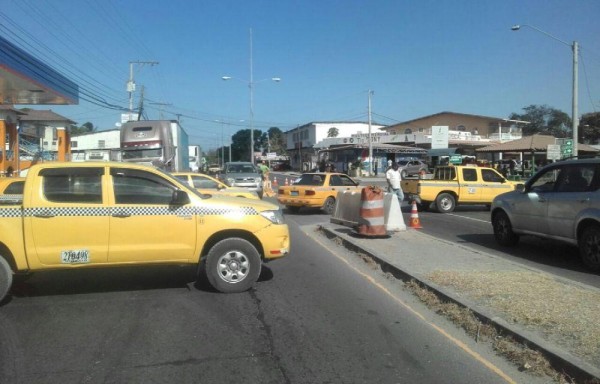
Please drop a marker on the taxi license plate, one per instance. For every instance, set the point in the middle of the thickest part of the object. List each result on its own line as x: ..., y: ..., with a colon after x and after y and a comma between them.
x: 293, y: 193
x: 75, y: 256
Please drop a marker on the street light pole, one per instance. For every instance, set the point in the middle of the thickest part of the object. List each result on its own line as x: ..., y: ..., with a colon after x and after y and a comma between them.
x: 574, y: 112
x: 251, y: 84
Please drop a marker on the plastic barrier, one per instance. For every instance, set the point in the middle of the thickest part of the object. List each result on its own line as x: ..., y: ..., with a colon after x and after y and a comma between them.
x: 347, y: 211
x: 371, y: 221
x: 347, y: 208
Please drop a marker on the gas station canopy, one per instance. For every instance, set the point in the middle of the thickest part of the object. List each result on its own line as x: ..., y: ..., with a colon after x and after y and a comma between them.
x: 26, y: 80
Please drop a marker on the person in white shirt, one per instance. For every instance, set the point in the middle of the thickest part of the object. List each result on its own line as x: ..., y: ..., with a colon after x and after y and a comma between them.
x: 393, y: 179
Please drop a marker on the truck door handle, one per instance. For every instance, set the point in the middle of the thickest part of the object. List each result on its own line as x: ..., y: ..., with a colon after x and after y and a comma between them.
x: 121, y: 214
x: 44, y: 214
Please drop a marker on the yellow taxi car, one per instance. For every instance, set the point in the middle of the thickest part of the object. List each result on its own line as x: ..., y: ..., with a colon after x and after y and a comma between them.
x: 11, y: 185
x: 210, y: 185
x: 315, y: 190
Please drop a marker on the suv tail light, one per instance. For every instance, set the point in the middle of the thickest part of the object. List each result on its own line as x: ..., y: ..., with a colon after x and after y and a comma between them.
x: 310, y: 192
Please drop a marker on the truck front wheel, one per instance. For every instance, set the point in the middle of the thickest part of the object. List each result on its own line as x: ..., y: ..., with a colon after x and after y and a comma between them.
x: 445, y: 203
x: 232, y: 265
x: 6, y: 277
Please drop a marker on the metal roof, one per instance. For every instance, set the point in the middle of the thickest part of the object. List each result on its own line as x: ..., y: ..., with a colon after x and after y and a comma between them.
x: 389, y: 148
x: 533, y: 143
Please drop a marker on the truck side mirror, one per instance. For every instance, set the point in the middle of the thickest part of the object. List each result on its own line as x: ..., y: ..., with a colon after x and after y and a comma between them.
x: 180, y: 197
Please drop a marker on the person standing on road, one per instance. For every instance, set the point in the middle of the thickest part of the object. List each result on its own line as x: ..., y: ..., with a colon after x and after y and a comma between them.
x: 393, y: 179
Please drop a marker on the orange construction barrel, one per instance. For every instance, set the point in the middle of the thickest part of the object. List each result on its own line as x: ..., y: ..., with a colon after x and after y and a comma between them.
x: 371, y: 221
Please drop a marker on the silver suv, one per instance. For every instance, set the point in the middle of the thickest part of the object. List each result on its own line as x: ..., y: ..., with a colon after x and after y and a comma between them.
x: 244, y: 175
x: 411, y: 167
x: 561, y: 202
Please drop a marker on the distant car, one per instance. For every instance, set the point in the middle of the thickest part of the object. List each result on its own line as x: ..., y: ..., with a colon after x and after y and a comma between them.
x: 316, y: 190
x: 560, y: 202
x: 411, y: 167
x: 11, y: 185
x: 209, y: 185
x: 244, y: 175
x: 214, y: 169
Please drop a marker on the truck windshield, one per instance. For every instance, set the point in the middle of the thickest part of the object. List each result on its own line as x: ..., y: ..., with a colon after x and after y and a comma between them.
x: 154, y: 153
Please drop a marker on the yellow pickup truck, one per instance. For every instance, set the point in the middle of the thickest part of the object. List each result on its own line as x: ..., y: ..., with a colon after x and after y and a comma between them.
x: 105, y: 214
x: 454, y: 185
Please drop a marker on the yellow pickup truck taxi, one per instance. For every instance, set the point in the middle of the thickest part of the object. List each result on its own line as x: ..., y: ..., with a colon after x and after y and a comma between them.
x: 457, y: 185
x: 106, y: 214
x: 11, y: 185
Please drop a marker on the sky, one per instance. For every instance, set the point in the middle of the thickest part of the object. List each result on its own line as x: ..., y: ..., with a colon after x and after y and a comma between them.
x: 417, y: 57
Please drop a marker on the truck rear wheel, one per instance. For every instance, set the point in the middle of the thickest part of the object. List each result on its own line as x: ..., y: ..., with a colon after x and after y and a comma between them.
x: 232, y: 265
x: 445, y: 203
x: 6, y: 277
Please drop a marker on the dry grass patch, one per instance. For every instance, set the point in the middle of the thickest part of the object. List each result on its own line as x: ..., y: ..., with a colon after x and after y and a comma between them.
x: 525, y: 358
x: 566, y: 314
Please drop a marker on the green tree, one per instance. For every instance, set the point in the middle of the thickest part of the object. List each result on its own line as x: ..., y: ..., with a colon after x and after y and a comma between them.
x: 545, y: 120
x: 275, y: 139
x: 83, y: 129
x: 589, y: 128
x: 240, y: 147
x: 333, y: 132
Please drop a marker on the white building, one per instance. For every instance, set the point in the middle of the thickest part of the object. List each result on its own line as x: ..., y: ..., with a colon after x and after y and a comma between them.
x: 301, y: 140
x: 101, y: 145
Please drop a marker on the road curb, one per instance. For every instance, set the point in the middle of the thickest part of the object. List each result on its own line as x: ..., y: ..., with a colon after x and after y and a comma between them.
x: 574, y: 367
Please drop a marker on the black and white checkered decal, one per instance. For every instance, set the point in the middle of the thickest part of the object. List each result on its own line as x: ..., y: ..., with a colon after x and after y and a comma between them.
x: 127, y: 211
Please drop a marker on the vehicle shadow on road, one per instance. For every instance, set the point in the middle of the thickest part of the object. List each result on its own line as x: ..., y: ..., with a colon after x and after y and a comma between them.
x: 67, y: 282
x: 546, y: 252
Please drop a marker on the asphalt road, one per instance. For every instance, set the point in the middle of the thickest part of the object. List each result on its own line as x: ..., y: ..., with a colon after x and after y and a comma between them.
x: 471, y: 226
x: 318, y: 316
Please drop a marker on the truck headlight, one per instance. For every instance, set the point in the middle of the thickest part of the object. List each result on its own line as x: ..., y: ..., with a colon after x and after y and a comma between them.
x: 231, y: 182
x: 258, y: 179
x: 275, y: 217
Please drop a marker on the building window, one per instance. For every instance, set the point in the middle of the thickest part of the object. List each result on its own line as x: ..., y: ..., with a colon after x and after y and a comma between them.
x: 407, y: 131
x: 101, y: 143
x: 461, y: 128
x: 73, y: 144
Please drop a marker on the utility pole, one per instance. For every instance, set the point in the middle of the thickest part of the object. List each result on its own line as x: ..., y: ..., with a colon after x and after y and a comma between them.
x: 131, y: 83
x: 370, y: 139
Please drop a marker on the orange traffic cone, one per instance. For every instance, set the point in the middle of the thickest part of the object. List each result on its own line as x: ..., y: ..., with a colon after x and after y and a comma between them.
x: 275, y: 185
x: 286, y: 181
x: 414, y: 217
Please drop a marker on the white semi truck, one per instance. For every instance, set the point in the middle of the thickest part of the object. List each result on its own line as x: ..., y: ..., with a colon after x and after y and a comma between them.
x: 160, y: 143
